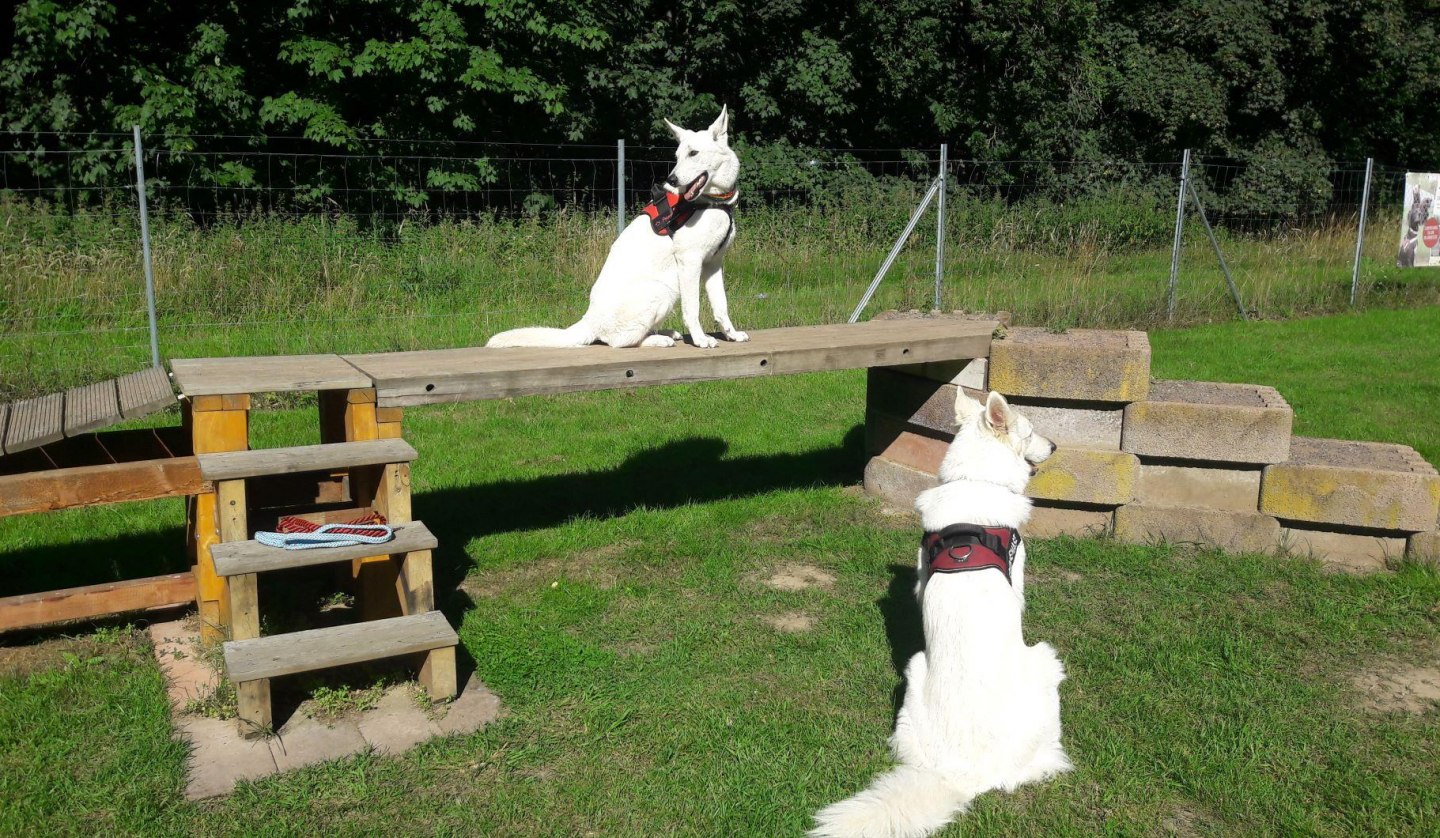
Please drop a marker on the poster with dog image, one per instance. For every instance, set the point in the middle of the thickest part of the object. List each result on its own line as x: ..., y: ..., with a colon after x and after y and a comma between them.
x: 1419, y: 225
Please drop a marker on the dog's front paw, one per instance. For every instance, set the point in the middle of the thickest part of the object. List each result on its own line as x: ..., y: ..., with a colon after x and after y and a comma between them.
x: 737, y: 335
x: 704, y: 341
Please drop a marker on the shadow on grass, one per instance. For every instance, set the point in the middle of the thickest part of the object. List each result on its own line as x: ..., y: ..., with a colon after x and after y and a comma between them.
x: 672, y: 475
x: 903, y: 626
x: 679, y: 473
x: 93, y: 562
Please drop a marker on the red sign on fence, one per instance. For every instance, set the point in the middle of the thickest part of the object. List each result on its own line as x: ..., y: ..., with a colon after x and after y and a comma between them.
x: 1431, y: 233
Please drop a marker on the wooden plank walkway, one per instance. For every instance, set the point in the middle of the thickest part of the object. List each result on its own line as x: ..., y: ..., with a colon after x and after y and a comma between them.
x: 265, y: 374
x: 453, y: 375
x: 33, y: 423
x: 144, y: 392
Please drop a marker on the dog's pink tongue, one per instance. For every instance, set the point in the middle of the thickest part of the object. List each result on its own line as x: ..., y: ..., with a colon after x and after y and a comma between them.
x: 694, y: 191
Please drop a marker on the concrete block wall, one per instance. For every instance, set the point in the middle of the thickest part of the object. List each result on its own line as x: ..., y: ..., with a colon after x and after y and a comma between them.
x: 1147, y: 461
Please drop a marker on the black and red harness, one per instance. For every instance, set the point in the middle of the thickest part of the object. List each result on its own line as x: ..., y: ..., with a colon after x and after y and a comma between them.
x: 669, y: 211
x: 962, y: 547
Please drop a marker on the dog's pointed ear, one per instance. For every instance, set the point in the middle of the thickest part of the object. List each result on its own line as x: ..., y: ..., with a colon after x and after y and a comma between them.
x: 721, y: 126
x: 676, y: 130
x: 997, y: 412
x: 965, y: 407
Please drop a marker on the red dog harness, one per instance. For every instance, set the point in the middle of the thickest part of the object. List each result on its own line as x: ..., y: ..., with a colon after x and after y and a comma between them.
x: 669, y: 211
x: 962, y: 547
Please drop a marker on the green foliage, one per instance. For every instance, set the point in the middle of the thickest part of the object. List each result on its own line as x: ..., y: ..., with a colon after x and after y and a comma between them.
x: 1039, y: 79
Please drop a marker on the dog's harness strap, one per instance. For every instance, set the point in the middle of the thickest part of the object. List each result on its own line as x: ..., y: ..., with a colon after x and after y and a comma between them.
x: 963, y: 547
x: 668, y: 211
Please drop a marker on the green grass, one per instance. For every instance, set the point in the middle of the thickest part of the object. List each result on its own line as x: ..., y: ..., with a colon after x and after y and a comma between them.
x: 605, y: 557
x: 72, y: 306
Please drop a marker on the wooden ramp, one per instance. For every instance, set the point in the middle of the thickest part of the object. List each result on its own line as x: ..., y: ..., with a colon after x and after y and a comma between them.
x: 43, y: 420
x: 403, y: 379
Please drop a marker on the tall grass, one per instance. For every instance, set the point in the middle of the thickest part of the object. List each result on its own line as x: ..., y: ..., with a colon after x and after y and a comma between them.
x: 72, y: 304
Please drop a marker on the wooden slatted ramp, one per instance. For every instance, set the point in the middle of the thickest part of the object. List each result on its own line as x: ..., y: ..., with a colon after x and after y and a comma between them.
x: 40, y: 421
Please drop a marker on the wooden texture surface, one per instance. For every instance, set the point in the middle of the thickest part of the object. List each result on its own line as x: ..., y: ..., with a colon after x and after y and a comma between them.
x: 47, y: 419
x: 264, y: 374
x: 96, y: 600
x: 46, y: 491
x: 302, y: 458
x: 35, y: 422
x: 305, y: 651
x: 451, y: 375
x: 144, y: 392
x: 90, y: 407
x: 239, y: 557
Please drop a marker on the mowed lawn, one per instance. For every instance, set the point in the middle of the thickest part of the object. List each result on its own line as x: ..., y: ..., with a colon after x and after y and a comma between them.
x: 608, y: 559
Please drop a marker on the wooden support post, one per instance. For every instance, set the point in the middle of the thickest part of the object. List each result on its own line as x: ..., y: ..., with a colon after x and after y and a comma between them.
x: 232, y: 525
x: 415, y: 585
x: 252, y: 697
x: 437, y: 673
x: 217, y: 423
x: 416, y: 589
x: 354, y: 416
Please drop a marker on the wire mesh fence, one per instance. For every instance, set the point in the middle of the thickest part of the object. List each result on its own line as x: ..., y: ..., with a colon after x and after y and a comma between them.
x: 272, y: 245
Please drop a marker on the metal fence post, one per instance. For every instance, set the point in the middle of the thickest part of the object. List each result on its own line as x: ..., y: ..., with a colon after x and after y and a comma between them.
x: 1179, y: 226
x: 895, y: 251
x: 940, y: 224
x: 619, y: 187
x: 1214, y: 242
x: 145, y: 247
x: 1360, y: 234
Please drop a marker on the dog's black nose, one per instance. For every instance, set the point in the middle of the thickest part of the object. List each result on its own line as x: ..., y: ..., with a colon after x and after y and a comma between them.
x: 673, y: 180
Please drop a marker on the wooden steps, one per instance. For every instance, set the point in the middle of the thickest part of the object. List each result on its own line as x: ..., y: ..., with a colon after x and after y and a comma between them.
x: 239, y: 557
x: 47, y: 419
x: 307, y: 651
x: 391, y: 578
x: 233, y: 465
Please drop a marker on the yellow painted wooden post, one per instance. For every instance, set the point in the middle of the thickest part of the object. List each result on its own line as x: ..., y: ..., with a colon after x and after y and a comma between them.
x: 217, y: 423
x: 354, y: 415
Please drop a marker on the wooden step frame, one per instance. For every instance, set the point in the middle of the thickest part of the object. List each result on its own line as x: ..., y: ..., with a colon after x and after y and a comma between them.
x: 414, y: 589
x: 252, y: 663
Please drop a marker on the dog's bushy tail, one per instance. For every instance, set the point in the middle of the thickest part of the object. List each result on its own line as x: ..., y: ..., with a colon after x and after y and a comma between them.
x: 542, y: 336
x: 906, y: 802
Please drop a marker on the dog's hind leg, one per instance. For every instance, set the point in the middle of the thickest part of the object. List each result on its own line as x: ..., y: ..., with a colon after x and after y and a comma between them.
x: 658, y: 339
x: 1045, y: 674
x: 719, y: 303
x: 907, y: 742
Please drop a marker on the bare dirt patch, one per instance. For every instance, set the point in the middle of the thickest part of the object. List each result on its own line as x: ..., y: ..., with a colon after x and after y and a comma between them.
x: 593, y: 567
x: 791, y: 622
x: 799, y: 577
x: 26, y: 660
x: 1185, y: 822
x: 1396, y: 687
x: 22, y: 661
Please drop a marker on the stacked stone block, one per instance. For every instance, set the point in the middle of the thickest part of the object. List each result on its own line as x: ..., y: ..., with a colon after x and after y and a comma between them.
x: 1358, y: 505
x: 1202, y: 446
x: 1073, y: 387
x: 1151, y: 461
